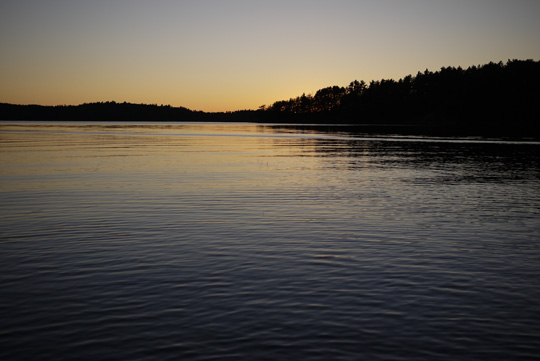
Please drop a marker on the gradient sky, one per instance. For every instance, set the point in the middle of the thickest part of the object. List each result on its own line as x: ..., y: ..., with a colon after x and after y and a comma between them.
x: 217, y: 55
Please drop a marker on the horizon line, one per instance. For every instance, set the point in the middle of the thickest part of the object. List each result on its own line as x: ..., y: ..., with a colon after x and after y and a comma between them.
x: 251, y: 109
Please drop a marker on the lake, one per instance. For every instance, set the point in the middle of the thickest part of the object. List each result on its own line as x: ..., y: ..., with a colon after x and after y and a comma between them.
x: 190, y: 241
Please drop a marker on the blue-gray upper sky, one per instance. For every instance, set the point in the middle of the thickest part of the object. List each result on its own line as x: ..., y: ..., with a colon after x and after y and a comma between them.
x: 235, y: 54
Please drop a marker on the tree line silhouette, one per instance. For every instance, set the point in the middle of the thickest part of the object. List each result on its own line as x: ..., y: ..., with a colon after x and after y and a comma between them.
x: 500, y: 96
x: 113, y: 111
x: 489, y: 95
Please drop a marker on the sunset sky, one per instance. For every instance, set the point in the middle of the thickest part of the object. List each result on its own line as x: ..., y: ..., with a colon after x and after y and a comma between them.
x: 218, y: 55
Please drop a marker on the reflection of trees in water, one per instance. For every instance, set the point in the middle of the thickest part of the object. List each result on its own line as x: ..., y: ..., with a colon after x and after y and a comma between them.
x: 458, y: 160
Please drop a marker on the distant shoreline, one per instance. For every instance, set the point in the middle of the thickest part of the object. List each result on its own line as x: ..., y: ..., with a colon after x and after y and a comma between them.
x: 502, y: 99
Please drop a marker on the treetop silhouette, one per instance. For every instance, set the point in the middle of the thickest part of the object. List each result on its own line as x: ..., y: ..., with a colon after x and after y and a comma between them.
x: 491, y: 96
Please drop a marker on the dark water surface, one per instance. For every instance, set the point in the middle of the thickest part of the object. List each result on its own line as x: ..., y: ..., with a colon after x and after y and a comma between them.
x: 246, y: 242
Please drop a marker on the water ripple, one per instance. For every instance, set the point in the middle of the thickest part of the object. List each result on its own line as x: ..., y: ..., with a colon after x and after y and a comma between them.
x: 232, y: 243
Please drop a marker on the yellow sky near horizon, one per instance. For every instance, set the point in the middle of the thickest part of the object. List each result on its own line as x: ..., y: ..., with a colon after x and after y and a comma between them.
x: 228, y: 55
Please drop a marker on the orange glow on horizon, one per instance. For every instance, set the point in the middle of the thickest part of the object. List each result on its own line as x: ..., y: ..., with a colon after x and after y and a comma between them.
x: 222, y: 56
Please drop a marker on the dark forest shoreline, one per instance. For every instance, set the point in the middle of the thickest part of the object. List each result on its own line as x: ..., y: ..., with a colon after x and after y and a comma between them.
x: 494, y: 99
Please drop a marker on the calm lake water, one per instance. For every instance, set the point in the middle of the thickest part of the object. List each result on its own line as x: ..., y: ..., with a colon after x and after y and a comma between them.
x: 249, y: 242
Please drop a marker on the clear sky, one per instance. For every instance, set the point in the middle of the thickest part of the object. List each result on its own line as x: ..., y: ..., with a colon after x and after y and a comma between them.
x: 217, y: 55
